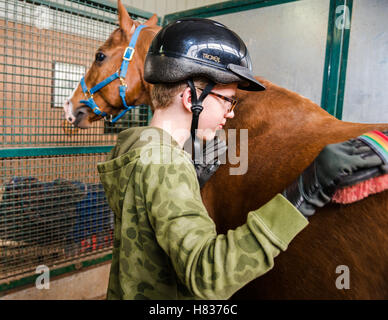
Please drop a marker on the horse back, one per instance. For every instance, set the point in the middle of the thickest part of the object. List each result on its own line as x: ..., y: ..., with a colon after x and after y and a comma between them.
x: 339, y: 239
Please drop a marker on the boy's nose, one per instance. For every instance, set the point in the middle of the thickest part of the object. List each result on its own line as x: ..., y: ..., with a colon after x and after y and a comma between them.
x: 230, y: 115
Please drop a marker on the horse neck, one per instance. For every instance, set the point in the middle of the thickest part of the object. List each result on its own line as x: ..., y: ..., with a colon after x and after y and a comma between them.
x: 145, y: 92
x: 278, y: 113
x: 280, y: 109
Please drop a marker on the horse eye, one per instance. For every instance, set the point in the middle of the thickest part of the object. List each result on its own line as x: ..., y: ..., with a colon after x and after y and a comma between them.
x: 100, y: 56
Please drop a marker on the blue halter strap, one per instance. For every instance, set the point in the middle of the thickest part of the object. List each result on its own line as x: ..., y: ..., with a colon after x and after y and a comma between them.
x: 127, y: 57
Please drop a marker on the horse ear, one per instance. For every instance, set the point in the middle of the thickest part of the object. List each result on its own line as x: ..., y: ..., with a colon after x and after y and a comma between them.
x: 152, y: 21
x: 125, y: 20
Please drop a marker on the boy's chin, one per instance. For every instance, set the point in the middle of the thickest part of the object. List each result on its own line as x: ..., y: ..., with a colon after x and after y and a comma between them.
x: 207, y: 136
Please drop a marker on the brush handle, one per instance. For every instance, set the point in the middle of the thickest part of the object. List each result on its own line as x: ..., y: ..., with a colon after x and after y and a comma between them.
x: 362, y: 175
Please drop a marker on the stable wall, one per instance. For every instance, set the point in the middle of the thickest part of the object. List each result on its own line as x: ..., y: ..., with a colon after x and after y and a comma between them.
x: 366, y: 94
x: 333, y: 52
x: 286, y: 42
x: 163, y: 7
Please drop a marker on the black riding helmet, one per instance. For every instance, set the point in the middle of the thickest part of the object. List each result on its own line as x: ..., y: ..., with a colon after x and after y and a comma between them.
x: 196, y: 47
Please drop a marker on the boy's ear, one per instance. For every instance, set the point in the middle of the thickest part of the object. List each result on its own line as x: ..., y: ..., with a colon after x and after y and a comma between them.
x: 186, y: 99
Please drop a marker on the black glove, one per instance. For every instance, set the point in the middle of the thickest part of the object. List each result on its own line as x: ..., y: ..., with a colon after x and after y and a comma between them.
x: 336, y: 164
x: 212, y: 151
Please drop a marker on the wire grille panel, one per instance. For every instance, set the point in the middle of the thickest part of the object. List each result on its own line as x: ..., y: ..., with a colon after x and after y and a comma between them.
x: 44, y: 52
x: 49, y: 214
x: 53, y: 209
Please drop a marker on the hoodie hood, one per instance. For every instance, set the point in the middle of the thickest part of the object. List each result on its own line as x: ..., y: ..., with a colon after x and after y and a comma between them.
x: 117, y: 172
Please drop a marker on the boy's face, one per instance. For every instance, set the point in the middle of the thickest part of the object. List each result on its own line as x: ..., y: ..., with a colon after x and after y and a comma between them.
x: 215, y: 111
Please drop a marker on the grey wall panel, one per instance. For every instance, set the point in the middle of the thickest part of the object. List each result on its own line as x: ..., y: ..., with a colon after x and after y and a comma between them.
x: 366, y: 90
x: 287, y: 43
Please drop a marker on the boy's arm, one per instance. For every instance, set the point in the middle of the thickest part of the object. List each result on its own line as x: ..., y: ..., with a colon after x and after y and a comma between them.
x: 213, y: 266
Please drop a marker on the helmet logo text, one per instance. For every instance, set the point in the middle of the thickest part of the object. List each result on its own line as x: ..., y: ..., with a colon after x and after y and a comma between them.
x: 211, y: 57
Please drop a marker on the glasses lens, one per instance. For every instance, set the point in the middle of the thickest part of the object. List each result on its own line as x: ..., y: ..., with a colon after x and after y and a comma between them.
x: 232, y: 102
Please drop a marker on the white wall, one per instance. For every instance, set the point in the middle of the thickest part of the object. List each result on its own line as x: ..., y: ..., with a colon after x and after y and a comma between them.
x: 366, y: 90
x: 286, y: 42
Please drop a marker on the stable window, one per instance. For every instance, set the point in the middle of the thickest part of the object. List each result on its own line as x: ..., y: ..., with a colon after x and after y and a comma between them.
x: 66, y: 77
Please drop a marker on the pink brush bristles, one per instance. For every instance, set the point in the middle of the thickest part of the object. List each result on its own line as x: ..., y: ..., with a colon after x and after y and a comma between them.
x: 361, y: 190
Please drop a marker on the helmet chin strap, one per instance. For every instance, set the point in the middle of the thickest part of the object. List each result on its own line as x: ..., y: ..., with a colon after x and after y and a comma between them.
x: 196, y: 109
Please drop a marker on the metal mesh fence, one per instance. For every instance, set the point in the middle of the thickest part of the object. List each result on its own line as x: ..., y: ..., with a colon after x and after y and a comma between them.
x: 49, y: 214
x: 44, y: 51
x: 53, y: 209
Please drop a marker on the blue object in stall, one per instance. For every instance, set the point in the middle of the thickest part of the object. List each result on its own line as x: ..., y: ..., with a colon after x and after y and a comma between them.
x: 94, y: 216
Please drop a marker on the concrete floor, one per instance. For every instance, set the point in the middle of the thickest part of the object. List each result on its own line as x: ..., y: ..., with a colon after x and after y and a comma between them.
x: 88, y: 284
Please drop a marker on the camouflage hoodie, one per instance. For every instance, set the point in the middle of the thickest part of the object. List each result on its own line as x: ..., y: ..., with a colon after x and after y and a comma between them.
x: 165, y: 243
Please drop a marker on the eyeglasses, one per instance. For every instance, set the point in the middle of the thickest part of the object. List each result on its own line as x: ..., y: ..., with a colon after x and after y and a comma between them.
x: 233, y: 102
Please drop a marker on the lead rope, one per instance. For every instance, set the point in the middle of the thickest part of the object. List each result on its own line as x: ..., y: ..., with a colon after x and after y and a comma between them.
x: 196, y: 109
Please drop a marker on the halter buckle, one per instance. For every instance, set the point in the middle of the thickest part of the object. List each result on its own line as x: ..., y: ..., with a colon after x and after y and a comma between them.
x: 130, y: 55
x: 86, y: 93
x: 106, y: 118
x: 123, y: 83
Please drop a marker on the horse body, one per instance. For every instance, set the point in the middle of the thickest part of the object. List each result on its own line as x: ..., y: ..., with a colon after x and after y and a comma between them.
x: 286, y: 132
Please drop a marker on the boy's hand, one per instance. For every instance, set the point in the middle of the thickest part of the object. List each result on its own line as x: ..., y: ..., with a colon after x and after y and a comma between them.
x: 334, y: 165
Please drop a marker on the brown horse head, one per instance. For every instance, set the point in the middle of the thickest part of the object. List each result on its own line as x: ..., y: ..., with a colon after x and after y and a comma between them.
x: 107, y: 61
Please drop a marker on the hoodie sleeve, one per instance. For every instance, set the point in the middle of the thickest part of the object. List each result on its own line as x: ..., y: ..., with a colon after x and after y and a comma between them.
x: 212, y: 266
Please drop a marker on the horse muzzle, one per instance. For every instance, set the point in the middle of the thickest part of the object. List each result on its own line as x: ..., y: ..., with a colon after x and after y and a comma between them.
x: 68, y: 109
x: 79, y: 117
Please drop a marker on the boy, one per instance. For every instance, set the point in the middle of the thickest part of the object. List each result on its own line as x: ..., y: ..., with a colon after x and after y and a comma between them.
x: 165, y: 243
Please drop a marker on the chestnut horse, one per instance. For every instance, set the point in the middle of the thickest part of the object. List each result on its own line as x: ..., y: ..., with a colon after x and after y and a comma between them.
x: 286, y: 132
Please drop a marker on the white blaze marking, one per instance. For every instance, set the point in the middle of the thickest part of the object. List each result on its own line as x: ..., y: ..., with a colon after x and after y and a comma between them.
x: 68, y: 107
